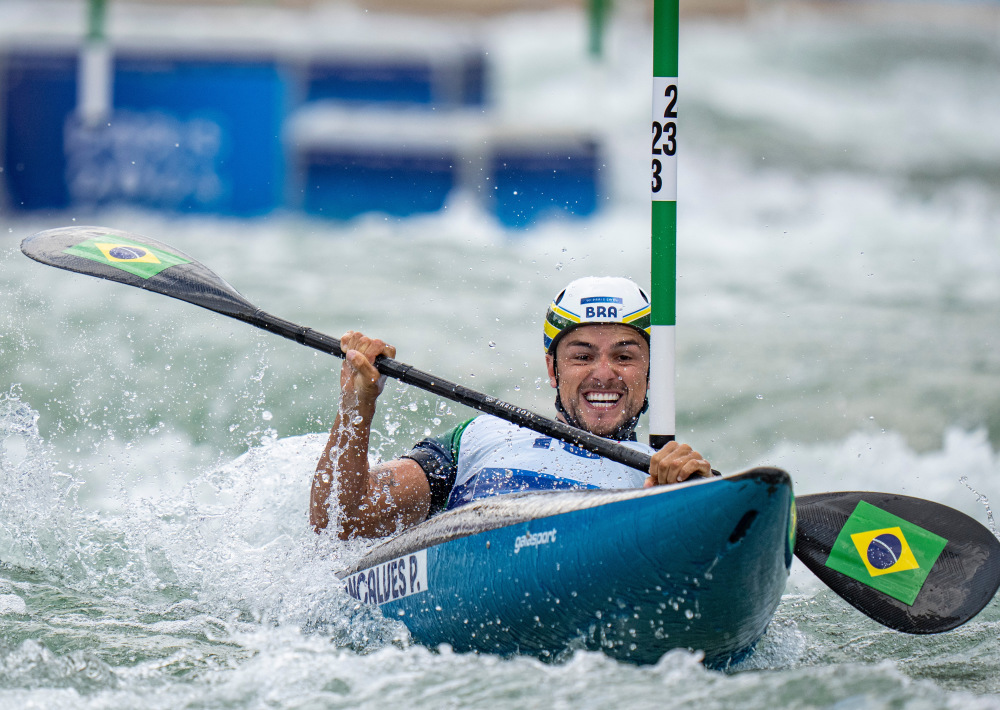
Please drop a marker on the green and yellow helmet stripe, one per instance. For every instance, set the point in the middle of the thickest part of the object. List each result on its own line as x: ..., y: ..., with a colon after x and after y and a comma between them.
x: 551, y: 331
x: 555, y: 313
x: 556, y: 321
x: 641, y: 319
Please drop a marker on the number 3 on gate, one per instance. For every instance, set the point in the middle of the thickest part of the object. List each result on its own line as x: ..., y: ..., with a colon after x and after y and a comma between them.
x: 664, y: 183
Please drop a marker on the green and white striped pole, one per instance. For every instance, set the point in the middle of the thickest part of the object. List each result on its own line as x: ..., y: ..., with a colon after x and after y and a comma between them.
x: 598, y: 19
x: 663, y: 268
x: 94, y: 74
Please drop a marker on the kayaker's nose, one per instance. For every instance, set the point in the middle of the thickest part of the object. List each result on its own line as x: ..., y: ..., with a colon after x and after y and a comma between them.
x: 604, y: 371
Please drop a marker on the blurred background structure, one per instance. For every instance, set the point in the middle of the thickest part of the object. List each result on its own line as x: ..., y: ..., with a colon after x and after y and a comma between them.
x: 459, y: 7
x: 380, y: 106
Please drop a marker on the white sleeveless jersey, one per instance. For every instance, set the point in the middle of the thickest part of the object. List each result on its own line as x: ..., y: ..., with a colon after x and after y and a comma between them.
x: 495, y: 456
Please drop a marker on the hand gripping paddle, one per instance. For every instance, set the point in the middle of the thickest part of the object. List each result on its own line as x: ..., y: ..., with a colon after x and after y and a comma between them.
x: 910, y: 564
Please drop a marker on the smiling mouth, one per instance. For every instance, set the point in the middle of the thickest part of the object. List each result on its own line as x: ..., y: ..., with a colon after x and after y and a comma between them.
x: 603, y: 400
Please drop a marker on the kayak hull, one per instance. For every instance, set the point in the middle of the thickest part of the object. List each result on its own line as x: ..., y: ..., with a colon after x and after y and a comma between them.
x: 633, y: 573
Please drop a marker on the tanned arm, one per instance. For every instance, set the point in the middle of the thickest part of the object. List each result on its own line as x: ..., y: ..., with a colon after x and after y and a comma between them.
x: 373, y: 501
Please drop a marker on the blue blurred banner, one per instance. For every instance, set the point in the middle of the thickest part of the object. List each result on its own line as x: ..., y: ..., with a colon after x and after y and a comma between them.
x: 186, y: 133
x: 201, y: 132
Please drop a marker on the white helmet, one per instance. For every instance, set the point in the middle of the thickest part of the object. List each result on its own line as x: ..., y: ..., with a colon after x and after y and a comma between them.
x: 596, y: 299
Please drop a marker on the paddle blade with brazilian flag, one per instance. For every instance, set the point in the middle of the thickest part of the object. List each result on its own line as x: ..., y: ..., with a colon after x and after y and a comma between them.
x: 921, y: 579
x: 139, y: 261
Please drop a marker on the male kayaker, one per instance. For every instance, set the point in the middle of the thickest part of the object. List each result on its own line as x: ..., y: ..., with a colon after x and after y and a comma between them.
x: 597, y: 355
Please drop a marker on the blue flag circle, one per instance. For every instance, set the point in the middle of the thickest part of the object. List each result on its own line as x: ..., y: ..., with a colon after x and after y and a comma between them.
x: 884, y: 550
x: 127, y: 252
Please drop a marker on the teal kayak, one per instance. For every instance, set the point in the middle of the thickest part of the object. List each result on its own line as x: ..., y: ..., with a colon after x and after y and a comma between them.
x: 633, y: 573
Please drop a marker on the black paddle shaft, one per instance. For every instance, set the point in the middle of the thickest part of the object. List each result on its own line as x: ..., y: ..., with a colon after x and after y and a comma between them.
x: 82, y: 250
x: 457, y: 393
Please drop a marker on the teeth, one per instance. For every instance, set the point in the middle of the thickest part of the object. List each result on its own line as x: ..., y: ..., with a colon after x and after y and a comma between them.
x: 603, y: 399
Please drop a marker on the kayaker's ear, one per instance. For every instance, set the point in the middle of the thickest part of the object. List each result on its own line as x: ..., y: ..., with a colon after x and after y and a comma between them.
x: 550, y: 363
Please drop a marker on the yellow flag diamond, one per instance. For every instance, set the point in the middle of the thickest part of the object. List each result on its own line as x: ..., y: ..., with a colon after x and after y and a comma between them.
x: 884, y: 551
x: 127, y: 252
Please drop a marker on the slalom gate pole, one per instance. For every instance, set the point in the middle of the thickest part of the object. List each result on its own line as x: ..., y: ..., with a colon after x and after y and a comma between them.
x: 94, y: 75
x: 663, y: 264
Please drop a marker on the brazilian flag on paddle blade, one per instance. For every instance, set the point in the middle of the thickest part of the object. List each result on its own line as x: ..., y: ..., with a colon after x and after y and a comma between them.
x: 133, y: 257
x: 885, y: 552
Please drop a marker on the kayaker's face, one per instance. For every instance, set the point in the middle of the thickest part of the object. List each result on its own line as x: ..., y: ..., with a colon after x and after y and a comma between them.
x: 602, y: 375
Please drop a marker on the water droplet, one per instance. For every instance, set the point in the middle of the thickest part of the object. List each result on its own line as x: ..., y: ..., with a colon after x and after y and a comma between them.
x: 267, y: 416
x: 492, y: 344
